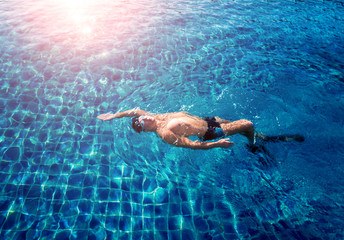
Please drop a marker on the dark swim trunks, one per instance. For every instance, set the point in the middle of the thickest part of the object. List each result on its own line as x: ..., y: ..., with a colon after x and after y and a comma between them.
x: 214, y: 129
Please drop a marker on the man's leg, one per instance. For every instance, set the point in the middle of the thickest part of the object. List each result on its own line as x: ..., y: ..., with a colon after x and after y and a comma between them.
x: 242, y: 126
x: 219, y: 120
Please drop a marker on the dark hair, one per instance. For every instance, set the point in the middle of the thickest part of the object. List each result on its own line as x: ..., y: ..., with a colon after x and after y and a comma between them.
x: 136, y: 124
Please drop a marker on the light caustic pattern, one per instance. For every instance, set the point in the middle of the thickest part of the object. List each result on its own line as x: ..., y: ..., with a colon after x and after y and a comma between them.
x: 66, y: 175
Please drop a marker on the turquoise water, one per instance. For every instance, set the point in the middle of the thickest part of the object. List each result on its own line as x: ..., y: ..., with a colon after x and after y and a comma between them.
x: 66, y: 175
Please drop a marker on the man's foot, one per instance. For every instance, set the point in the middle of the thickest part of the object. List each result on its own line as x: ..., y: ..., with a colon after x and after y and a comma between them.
x: 282, y: 138
x: 295, y: 137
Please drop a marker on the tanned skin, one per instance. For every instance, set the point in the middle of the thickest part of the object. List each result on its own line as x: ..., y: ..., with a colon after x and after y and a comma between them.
x: 175, y: 128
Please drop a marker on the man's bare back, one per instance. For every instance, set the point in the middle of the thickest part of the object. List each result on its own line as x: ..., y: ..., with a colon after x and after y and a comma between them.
x: 175, y: 128
x: 182, y: 124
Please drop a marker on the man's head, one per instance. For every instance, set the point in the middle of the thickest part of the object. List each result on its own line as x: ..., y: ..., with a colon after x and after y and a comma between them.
x: 144, y: 123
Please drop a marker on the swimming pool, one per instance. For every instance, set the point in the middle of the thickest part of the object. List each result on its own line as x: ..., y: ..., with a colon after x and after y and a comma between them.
x: 66, y: 175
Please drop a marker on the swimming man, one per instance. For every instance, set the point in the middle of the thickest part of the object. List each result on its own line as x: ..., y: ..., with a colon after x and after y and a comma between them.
x: 175, y: 128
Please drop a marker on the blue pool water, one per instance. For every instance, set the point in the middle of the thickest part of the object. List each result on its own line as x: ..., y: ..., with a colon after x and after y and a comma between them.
x: 66, y: 175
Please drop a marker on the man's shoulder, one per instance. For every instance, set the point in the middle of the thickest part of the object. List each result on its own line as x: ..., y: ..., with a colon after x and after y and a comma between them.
x: 164, y: 131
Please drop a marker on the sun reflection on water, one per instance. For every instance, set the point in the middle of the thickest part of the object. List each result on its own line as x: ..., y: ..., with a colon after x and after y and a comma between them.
x: 78, y: 14
x: 69, y: 21
x: 85, y: 27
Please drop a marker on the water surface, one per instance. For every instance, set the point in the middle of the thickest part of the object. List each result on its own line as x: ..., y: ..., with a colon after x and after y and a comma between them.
x: 67, y: 175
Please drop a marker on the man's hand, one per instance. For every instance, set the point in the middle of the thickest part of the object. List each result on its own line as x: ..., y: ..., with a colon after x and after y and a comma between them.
x: 225, y: 143
x: 107, y: 116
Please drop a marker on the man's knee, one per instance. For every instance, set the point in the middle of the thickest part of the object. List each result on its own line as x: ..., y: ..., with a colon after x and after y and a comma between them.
x: 248, y: 125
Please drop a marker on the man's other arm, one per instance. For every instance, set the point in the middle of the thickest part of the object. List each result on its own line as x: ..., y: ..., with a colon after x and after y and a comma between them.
x: 184, y: 142
x: 129, y: 113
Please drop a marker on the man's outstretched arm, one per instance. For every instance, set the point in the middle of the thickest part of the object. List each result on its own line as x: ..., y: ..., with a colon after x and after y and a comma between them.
x: 171, y: 138
x: 129, y: 113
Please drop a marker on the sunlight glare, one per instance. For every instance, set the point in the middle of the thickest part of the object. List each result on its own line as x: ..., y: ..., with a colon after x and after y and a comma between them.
x: 86, y: 30
x: 79, y: 13
x: 76, y: 4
